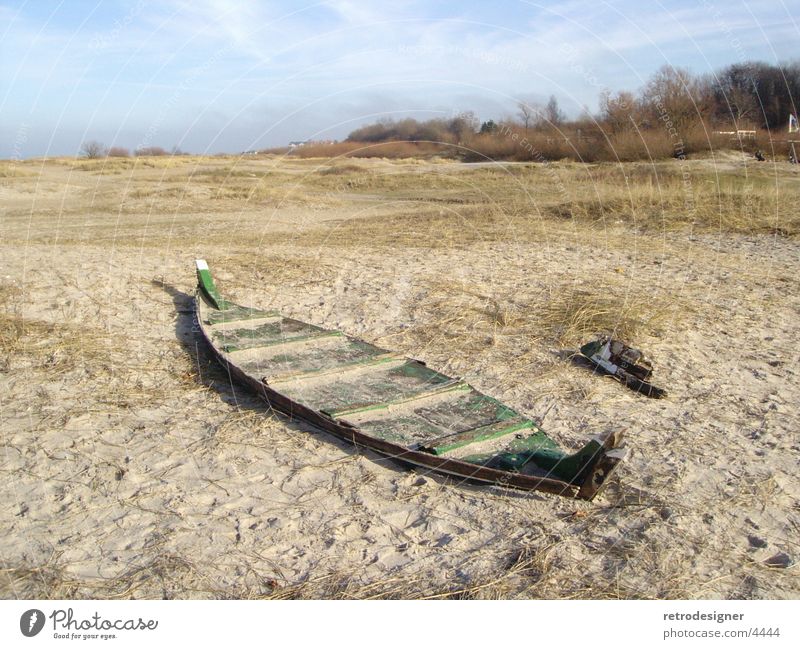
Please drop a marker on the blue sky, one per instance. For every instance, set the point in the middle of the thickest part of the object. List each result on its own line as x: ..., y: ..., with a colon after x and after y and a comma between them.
x: 219, y: 75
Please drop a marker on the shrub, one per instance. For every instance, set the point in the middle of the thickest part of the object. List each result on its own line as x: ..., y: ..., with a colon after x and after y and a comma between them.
x: 150, y: 150
x: 391, y: 149
x: 93, y: 149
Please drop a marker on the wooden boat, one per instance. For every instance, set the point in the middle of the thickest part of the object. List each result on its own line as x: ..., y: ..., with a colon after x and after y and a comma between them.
x: 394, y: 405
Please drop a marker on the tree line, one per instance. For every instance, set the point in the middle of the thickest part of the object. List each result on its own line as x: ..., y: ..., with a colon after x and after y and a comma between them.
x: 740, y: 96
x: 675, y: 111
x: 94, y: 150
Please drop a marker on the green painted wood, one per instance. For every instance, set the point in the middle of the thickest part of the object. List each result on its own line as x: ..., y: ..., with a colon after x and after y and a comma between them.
x: 318, y: 354
x: 206, y: 284
x: 335, y: 370
x: 235, y: 313
x: 274, y: 332
x: 418, y: 423
x: 294, y: 340
x: 472, y: 411
x: 514, y: 455
x: 408, y: 430
x: 475, y: 435
x: 570, y: 468
x: 343, y: 407
x: 540, y: 452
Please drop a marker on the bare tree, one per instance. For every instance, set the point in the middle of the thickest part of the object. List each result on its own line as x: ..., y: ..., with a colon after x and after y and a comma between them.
x: 526, y: 114
x: 93, y: 149
x: 744, y: 106
x: 552, y: 113
x: 619, y: 111
x: 671, y: 95
x: 463, y: 125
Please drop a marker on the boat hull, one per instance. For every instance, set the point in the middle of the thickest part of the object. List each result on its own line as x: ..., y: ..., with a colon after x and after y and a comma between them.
x: 592, y: 478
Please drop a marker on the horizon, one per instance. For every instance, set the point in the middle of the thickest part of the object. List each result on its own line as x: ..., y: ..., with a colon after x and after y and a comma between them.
x: 216, y: 77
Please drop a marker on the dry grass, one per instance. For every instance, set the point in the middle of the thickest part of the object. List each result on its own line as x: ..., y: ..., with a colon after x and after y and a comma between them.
x: 570, y: 315
x: 14, y: 170
x: 372, y: 150
x: 342, y: 170
x: 525, y: 565
x: 562, y: 314
x: 60, y: 349
x: 163, y: 576
x: 449, y: 206
x: 667, y: 200
x: 117, y: 165
x: 167, y: 576
x: 11, y: 324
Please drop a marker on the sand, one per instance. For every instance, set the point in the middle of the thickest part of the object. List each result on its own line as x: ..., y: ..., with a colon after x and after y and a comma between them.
x: 132, y: 467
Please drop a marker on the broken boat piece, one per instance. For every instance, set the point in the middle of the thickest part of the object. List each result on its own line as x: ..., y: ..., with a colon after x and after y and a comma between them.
x: 629, y: 365
x: 393, y: 405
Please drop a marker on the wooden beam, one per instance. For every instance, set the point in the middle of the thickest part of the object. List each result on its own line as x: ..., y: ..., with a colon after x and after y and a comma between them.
x: 455, y: 385
x: 246, y: 323
x: 338, y: 370
x: 299, y: 340
x: 482, y: 433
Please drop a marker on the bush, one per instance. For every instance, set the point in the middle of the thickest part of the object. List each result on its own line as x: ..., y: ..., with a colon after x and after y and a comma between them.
x: 93, y: 149
x: 150, y: 150
x: 391, y: 149
x: 627, y: 146
x: 118, y: 152
x: 453, y: 130
x: 492, y: 146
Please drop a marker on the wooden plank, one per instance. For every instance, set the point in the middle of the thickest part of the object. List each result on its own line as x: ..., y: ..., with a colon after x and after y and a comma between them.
x: 337, y: 370
x: 207, y: 286
x: 523, y: 447
x: 367, y: 387
x: 472, y: 411
x: 417, y: 423
x: 277, y: 331
x: 249, y: 353
x: 481, y: 434
x: 404, y: 426
x: 432, y: 391
x: 253, y: 323
x: 315, y: 354
x: 234, y: 313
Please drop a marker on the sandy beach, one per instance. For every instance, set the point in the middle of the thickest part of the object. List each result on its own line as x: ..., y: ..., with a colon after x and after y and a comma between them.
x: 133, y: 468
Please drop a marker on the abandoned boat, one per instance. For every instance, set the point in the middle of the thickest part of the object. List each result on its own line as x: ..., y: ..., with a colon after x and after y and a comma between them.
x: 391, y: 404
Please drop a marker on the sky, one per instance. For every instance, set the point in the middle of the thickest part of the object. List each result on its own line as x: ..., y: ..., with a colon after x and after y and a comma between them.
x: 211, y: 76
